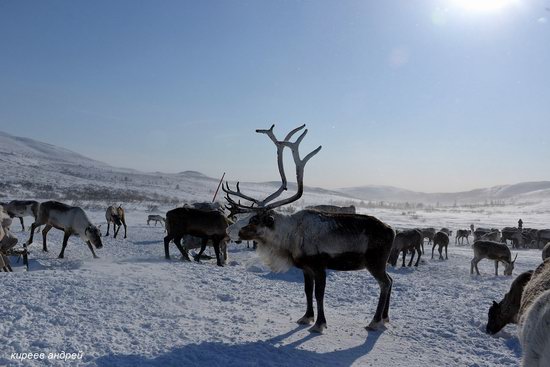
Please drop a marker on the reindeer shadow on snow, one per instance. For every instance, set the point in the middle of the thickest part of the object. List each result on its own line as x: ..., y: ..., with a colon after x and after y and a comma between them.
x: 265, y: 352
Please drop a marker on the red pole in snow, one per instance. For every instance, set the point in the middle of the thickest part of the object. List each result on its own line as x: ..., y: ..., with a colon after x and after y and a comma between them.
x: 216, y: 193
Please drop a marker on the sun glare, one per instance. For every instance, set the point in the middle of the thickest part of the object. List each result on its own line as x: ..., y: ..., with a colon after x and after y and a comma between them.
x: 484, y: 5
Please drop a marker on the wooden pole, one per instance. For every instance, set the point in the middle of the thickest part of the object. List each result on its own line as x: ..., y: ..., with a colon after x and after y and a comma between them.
x: 216, y: 193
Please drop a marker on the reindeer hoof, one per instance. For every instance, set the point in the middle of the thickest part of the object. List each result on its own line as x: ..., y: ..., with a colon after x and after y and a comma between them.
x: 305, y: 320
x: 317, y: 328
x: 373, y: 326
x: 386, y: 320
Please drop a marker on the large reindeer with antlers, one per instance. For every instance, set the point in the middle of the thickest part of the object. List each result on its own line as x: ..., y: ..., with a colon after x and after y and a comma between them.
x: 312, y: 240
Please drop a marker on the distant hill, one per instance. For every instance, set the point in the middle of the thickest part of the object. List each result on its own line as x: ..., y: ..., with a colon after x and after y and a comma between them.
x: 533, y: 190
x: 35, y: 169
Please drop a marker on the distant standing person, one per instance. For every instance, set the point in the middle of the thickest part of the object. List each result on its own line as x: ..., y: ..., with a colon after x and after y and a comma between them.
x: 520, y: 224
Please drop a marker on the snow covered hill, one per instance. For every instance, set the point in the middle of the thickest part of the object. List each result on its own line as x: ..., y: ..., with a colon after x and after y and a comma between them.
x: 34, y: 169
x: 533, y: 190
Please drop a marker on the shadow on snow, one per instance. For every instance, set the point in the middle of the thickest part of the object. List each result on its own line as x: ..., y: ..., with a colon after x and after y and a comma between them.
x: 260, y: 353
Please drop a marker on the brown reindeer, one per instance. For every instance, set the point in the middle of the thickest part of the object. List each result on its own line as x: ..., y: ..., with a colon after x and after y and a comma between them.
x: 506, y: 311
x: 115, y: 215
x: 462, y: 234
x: 493, y: 251
x: 404, y: 241
x: 314, y: 241
x: 441, y: 239
x: 207, y: 225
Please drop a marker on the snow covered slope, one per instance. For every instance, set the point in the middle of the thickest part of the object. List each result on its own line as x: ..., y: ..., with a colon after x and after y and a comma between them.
x: 133, y: 308
x: 533, y: 190
x: 34, y: 169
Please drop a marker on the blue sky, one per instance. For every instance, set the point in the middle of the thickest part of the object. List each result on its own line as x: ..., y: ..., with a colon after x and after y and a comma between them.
x: 425, y: 95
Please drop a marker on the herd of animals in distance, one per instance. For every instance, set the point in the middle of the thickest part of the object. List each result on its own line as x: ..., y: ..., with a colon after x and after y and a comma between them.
x: 315, y: 239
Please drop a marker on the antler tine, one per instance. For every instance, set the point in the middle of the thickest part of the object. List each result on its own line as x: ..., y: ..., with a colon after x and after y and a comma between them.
x: 300, y: 166
x: 280, y: 149
x: 238, y: 193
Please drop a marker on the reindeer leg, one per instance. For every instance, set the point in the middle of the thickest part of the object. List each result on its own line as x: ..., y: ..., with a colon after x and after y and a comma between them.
x: 44, y: 234
x: 65, y: 241
x: 412, y: 257
x: 22, y: 224
x: 422, y: 246
x: 108, y: 226
x: 308, y: 289
x: 378, y: 271
x: 116, y: 229
x: 446, y: 254
x: 203, y: 247
x: 125, y: 228
x: 477, y: 269
x: 33, y: 227
x: 404, y: 254
x: 184, y: 254
x: 419, y: 255
x: 216, y: 243
x: 167, y: 240
x: 496, y: 267
x: 440, y: 250
x: 320, y: 282
x: 433, y: 248
x: 92, y: 249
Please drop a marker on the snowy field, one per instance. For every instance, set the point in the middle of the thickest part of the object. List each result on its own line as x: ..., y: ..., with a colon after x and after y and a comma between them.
x: 133, y: 308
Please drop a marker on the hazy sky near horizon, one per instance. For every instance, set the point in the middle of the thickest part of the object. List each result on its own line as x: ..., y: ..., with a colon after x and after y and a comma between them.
x: 429, y: 95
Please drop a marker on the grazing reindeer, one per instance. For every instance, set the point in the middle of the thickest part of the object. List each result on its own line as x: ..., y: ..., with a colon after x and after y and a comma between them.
x: 404, y: 241
x: 312, y: 240
x: 22, y: 208
x: 546, y: 251
x: 70, y: 219
x: 506, y: 311
x: 462, y: 234
x: 334, y: 209
x: 117, y: 217
x: 534, y: 318
x: 493, y: 251
x: 441, y: 239
x: 156, y: 218
x: 429, y: 233
x: 207, y: 225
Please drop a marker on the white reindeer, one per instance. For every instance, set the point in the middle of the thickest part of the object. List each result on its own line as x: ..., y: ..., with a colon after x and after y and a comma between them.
x: 534, y: 318
x: 312, y: 240
x: 22, y: 208
x: 70, y: 219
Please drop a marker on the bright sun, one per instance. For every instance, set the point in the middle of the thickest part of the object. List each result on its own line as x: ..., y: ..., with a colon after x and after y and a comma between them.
x: 484, y: 5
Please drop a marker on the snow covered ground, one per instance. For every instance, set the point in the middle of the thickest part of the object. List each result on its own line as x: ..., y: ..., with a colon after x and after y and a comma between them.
x: 133, y: 308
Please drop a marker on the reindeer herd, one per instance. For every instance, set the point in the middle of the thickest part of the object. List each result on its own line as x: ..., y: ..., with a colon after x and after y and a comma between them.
x: 315, y: 240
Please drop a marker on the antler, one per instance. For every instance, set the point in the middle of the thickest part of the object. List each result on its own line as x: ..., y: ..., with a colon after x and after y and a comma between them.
x: 300, y: 165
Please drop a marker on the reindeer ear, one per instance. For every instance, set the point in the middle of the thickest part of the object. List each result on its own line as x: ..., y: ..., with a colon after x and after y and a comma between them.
x: 270, y: 221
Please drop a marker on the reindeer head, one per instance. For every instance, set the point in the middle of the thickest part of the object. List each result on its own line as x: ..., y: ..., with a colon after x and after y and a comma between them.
x: 93, y: 235
x: 260, y: 216
x: 510, y: 267
x: 497, y: 318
